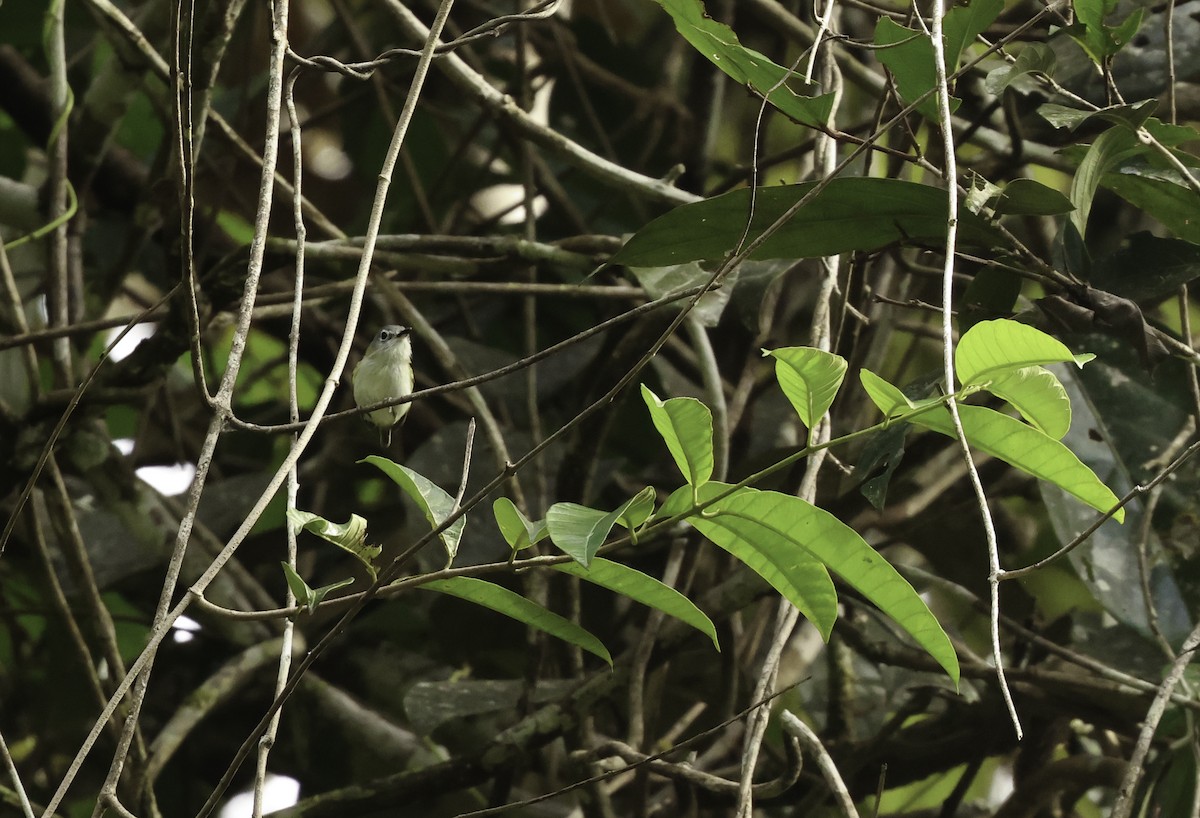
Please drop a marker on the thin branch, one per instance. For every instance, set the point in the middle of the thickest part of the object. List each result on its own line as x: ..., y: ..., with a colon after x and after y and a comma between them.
x: 951, y: 175
x: 797, y: 728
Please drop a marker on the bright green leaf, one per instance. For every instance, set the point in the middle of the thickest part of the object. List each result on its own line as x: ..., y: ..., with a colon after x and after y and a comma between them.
x: 434, y: 503
x: 1038, y: 395
x: 516, y: 528
x: 686, y: 426
x: 781, y: 525
x: 993, y: 348
x: 851, y: 213
x: 350, y: 537
x: 644, y: 589
x: 579, y: 531
x: 637, y: 510
x: 719, y: 44
x: 501, y: 600
x: 810, y: 378
x: 1027, y: 449
x: 796, y: 575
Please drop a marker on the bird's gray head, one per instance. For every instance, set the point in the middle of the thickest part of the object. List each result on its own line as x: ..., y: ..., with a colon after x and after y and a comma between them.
x: 388, y: 338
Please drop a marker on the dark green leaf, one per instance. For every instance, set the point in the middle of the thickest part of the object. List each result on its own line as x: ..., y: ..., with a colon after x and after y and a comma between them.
x: 719, y: 44
x: 1148, y: 268
x: 1034, y: 57
x: 850, y: 214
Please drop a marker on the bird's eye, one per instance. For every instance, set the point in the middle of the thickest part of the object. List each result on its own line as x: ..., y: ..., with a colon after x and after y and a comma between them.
x: 384, y: 335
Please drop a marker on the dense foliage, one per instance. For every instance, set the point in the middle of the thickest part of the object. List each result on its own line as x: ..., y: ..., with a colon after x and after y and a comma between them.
x: 680, y: 521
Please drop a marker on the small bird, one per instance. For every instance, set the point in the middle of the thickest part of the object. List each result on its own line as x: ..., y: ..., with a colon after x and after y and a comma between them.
x: 385, y: 372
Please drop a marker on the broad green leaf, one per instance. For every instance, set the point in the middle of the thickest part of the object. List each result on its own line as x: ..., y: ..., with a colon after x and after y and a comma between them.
x: 516, y: 528
x: 1103, y: 154
x: 851, y: 213
x: 579, y: 531
x: 1034, y: 57
x: 1099, y: 40
x: 1148, y: 268
x: 1025, y: 197
x: 908, y: 53
x: 350, y: 537
x: 1130, y: 116
x: 434, y: 503
x: 501, y: 600
x: 796, y: 575
x: 890, y: 400
x: 719, y: 44
x: 779, y: 525
x: 1038, y: 395
x: 993, y: 348
x: 810, y: 378
x: 686, y: 426
x: 1026, y: 448
x: 644, y: 589
x: 1163, y: 196
x: 307, y: 597
x: 991, y: 293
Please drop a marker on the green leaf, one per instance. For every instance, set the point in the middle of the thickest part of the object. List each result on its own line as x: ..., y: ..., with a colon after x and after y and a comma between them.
x: 780, y: 525
x: 810, y: 378
x: 991, y: 293
x: 1129, y: 116
x: 888, y: 398
x: 644, y: 589
x: 908, y: 53
x: 1025, y: 197
x: 686, y: 426
x: 501, y: 600
x: 719, y: 44
x: 1038, y: 395
x: 350, y: 537
x: 1102, y: 41
x: 796, y: 575
x: 1026, y: 448
x: 516, y: 528
x: 434, y: 503
x: 1034, y: 58
x: 993, y: 348
x: 1103, y: 154
x: 579, y: 531
x: 634, y: 513
x: 307, y: 597
x: 1148, y: 268
x: 1165, y: 198
x: 852, y: 213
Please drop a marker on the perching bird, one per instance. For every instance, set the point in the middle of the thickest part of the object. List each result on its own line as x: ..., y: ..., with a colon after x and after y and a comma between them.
x: 385, y: 372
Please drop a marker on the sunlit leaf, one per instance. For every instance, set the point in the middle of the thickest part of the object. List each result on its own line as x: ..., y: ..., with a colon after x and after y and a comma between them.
x: 644, y: 589
x: 801, y: 579
x: 515, y: 527
x: 993, y: 348
x: 810, y: 378
x: 777, y: 526
x: 579, y: 531
x: 1038, y: 395
x: 686, y: 426
x: 513, y: 605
